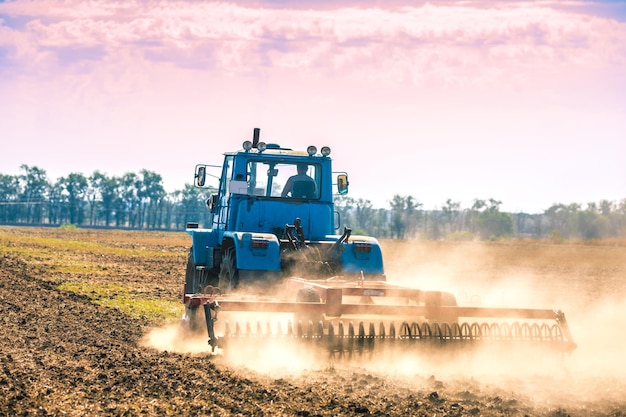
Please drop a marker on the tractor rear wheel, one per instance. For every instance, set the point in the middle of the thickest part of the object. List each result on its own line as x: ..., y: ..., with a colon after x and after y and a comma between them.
x: 197, y: 278
x: 229, y: 274
x: 190, y: 275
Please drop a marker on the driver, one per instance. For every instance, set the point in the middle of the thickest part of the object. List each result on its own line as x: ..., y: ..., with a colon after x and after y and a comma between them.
x: 300, y: 185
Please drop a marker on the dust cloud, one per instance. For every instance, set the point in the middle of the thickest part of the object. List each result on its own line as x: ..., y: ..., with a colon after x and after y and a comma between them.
x: 478, y: 275
x: 173, y: 338
x: 589, y: 290
x: 276, y: 357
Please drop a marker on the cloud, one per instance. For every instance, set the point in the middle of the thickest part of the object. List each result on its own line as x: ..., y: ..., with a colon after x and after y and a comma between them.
x: 463, y: 90
x: 450, y: 45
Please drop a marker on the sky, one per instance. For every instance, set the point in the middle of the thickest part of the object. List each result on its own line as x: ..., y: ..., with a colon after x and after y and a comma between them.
x: 523, y: 102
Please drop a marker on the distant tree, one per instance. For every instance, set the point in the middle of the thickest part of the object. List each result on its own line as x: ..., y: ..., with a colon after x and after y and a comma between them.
x: 606, y: 207
x: 591, y: 224
x: 471, y: 214
x: 527, y: 224
x: 380, y: 221
x: 194, y: 205
x: 94, y: 196
x: 75, y: 186
x: 450, y: 213
x: 128, y: 202
x: 150, y: 191
x: 494, y: 224
x: 56, y: 200
x: 344, y: 206
x: 109, y: 193
x: 9, y: 192
x: 364, y: 212
x: 171, y: 204
x: 35, y: 187
x: 609, y: 222
x: 488, y: 221
x: 405, y: 216
x: 413, y: 215
x: 398, y: 220
x: 562, y: 219
x: 434, y: 224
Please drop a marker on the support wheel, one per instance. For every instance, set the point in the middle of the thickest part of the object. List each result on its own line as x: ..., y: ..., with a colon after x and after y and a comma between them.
x: 308, y: 295
x: 229, y: 275
x: 194, y: 319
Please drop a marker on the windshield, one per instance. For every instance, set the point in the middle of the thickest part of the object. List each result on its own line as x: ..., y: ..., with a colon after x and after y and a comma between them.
x: 271, y: 179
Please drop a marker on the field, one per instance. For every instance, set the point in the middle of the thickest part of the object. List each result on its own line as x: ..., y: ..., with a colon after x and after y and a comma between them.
x: 89, y: 327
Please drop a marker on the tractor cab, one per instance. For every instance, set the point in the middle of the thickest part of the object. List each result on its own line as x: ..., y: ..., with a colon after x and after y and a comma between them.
x: 262, y: 187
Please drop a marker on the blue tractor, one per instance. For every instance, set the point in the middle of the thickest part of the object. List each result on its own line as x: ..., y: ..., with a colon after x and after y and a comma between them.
x: 273, y: 217
x: 273, y: 220
x: 274, y: 226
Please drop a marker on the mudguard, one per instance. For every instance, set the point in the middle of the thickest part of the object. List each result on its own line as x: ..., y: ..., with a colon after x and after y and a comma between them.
x: 362, y: 253
x: 255, y: 251
x: 204, y: 243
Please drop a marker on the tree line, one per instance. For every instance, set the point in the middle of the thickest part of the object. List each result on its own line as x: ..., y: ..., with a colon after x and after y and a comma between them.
x: 133, y: 200
x: 139, y: 201
x: 406, y: 219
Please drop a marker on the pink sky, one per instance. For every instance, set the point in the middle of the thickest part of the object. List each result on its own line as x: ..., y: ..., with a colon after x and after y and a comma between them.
x: 522, y: 102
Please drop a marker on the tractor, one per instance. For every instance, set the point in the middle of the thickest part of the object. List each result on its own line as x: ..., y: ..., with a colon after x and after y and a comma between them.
x: 275, y: 245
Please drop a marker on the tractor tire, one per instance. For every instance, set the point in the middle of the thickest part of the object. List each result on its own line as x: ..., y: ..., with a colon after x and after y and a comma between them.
x: 229, y: 275
x: 190, y: 275
x: 196, y: 280
x: 194, y: 320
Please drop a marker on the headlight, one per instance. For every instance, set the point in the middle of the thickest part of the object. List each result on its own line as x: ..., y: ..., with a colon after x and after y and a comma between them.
x: 247, y: 145
x: 311, y: 150
x: 261, y: 146
x: 325, y: 150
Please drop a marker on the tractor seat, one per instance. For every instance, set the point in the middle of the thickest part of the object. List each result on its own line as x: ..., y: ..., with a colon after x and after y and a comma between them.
x: 303, y: 189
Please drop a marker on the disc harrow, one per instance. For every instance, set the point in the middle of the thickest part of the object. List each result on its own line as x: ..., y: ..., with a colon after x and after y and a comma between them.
x: 349, y: 337
x: 329, y: 314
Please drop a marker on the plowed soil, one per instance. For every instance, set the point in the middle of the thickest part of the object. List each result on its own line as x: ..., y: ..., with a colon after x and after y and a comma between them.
x: 80, y: 309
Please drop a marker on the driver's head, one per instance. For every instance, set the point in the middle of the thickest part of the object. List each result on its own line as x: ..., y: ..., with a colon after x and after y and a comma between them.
x: 302, y: 168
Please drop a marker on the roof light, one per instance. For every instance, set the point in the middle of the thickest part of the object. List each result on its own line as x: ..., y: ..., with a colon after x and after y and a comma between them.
x: 325, y: 150
x: 261, y: 146
x: 311, y: 150
x: 247, y: 145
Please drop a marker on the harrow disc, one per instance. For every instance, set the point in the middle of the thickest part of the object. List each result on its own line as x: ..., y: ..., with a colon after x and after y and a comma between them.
x: 342, y: 338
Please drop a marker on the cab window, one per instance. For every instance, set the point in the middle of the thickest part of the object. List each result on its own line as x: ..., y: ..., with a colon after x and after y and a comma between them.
x: 283, y: 180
